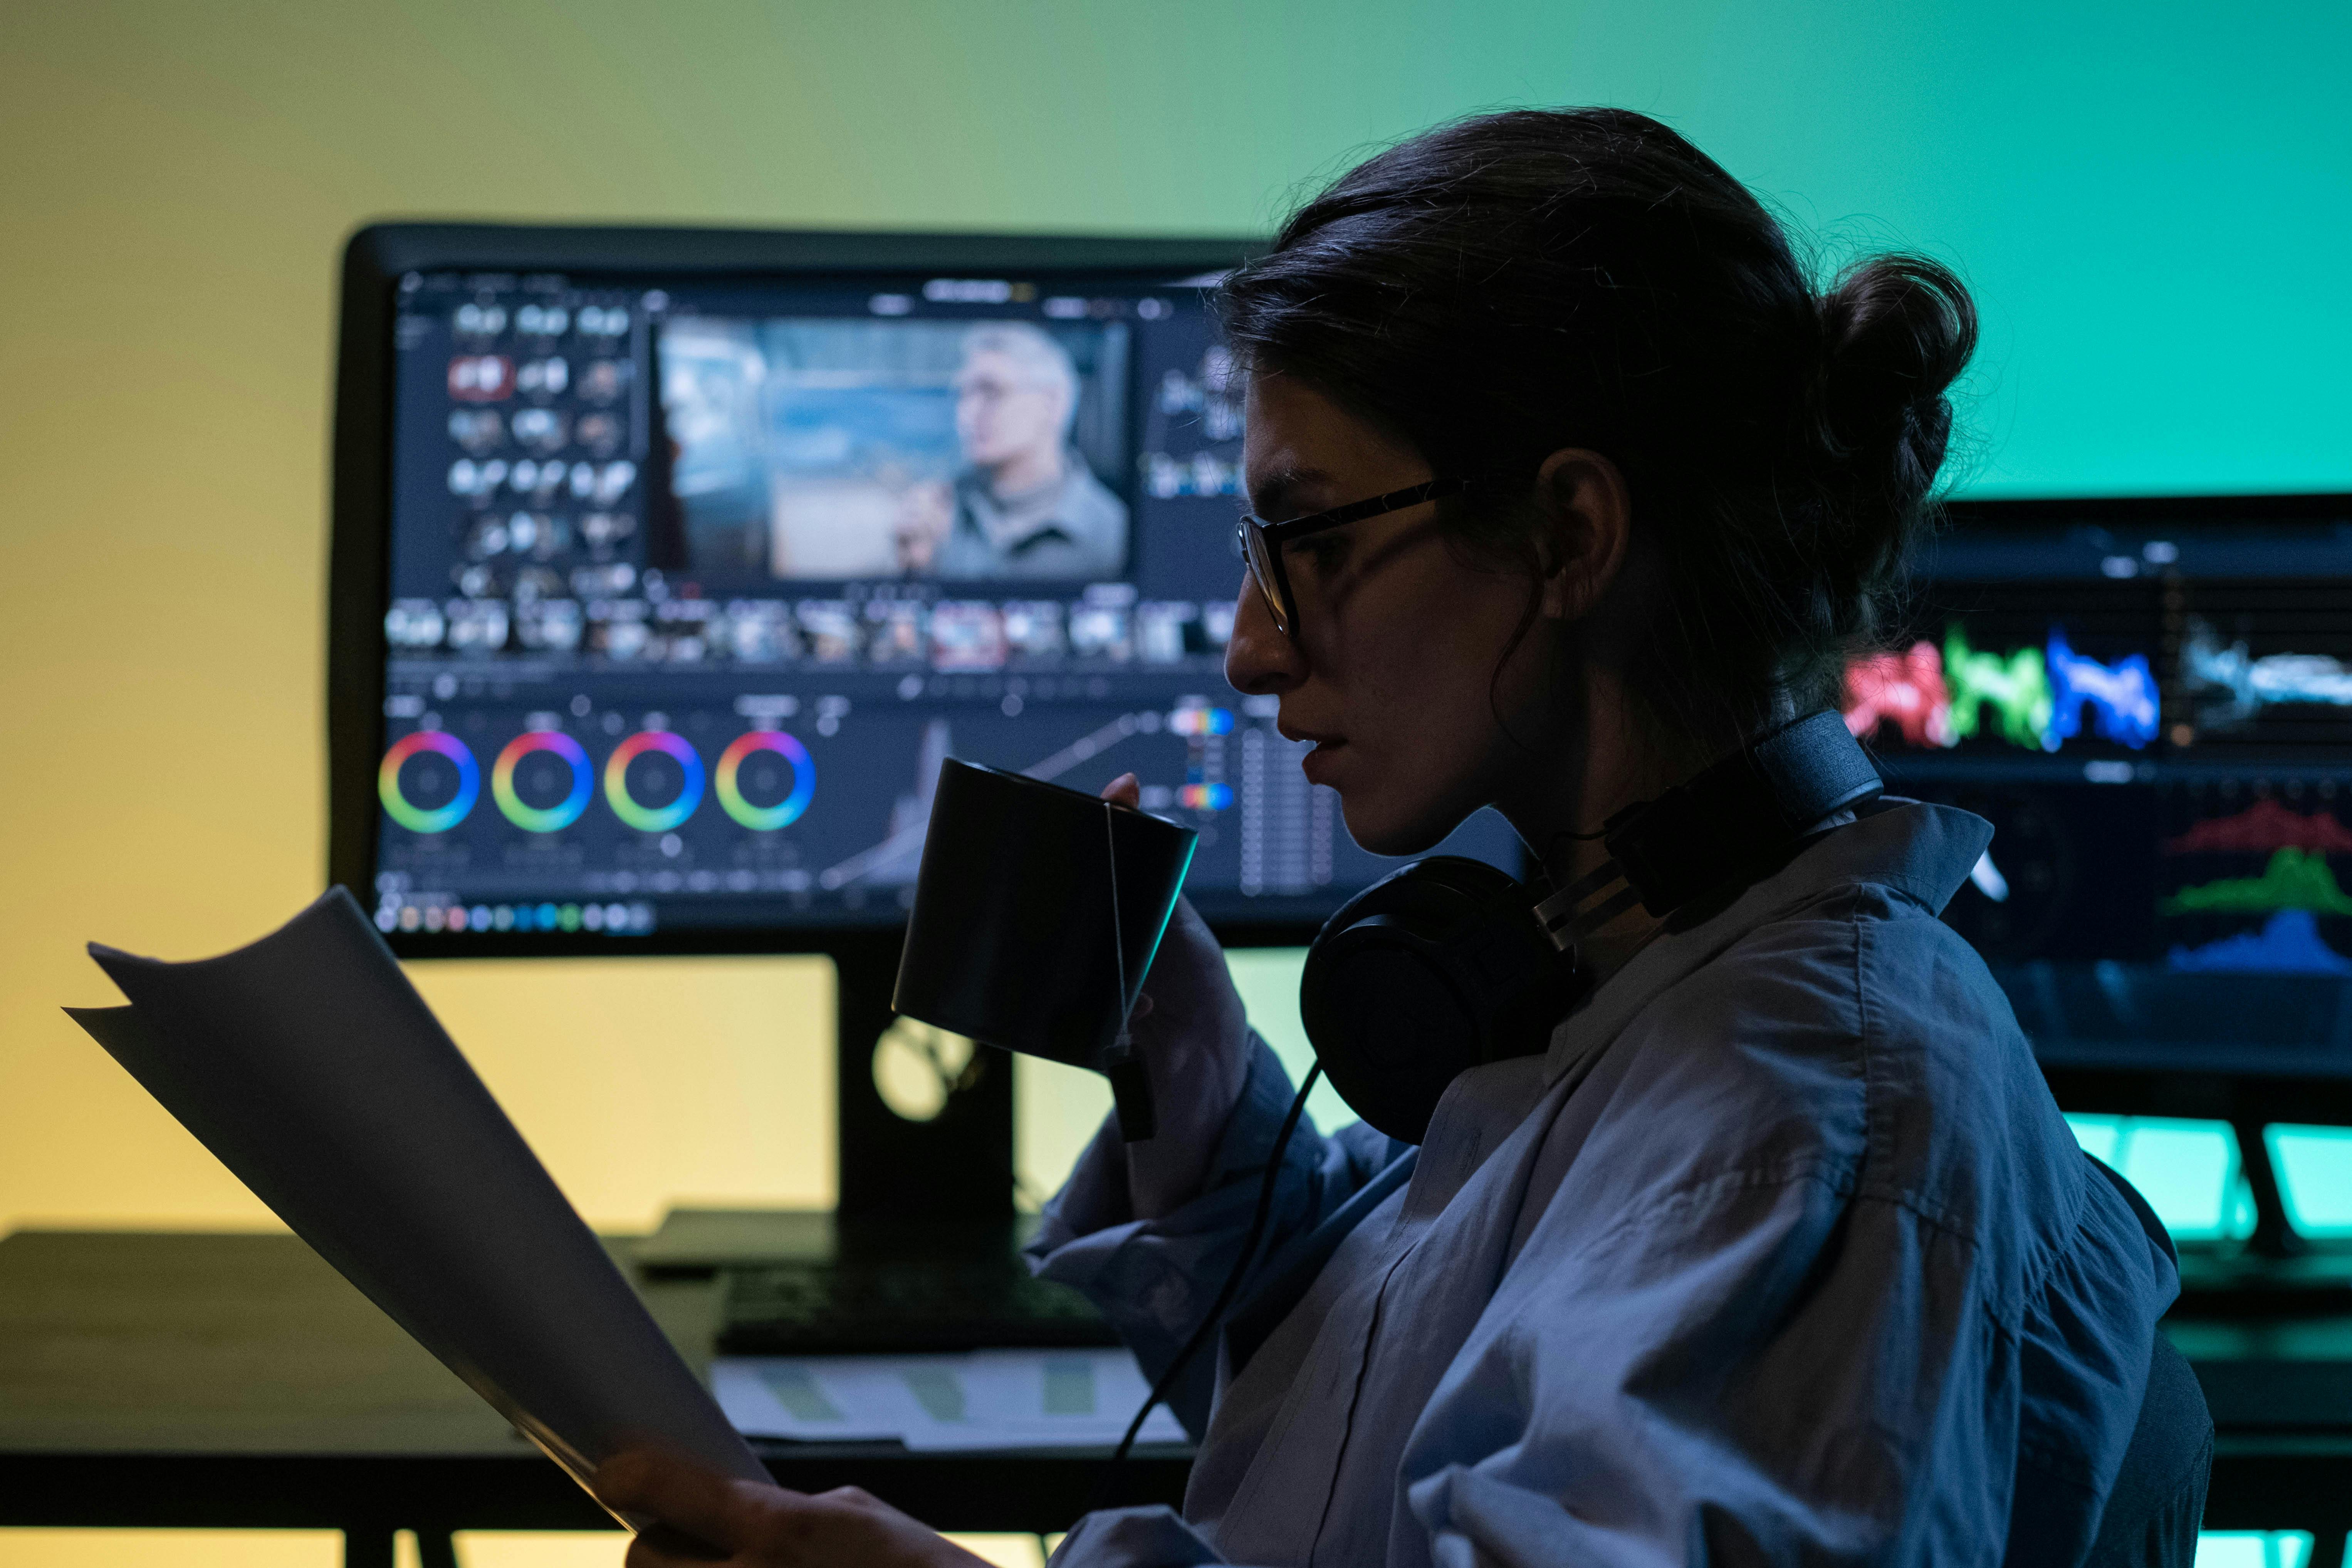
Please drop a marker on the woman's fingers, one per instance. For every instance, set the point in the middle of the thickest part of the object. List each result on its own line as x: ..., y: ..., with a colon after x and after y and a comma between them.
x: 690, y: 1498
x: 1125, y: 789
x: 662, y: 1547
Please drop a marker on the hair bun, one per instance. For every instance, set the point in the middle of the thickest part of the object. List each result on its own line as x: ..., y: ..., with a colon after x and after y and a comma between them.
x: 1897, y: 331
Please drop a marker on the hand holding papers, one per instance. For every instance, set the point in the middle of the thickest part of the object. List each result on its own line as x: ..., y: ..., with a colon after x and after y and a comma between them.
x: 310, y: 1067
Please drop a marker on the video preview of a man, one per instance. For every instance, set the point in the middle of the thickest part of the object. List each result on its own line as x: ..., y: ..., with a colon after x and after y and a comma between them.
x: 950, y: 450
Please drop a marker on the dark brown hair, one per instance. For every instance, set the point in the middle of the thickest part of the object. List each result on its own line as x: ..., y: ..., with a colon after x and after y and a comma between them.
x: 1507, y: 286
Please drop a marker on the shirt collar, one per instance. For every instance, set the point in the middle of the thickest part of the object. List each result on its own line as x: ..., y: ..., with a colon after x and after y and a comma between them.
x: 1921, y: 851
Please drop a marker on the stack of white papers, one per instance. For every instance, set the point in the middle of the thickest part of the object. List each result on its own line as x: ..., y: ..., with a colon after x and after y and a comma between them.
x: 985, y: 1399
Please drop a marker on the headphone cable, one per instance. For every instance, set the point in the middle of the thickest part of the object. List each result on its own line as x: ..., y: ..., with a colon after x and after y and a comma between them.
x: 1232, y: 1280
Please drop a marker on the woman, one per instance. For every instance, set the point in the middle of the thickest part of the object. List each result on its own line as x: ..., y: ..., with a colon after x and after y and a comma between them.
x: 1781, y: 1252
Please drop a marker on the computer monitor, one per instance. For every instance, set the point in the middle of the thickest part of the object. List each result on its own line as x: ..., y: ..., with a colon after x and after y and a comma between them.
x: 668, y: 565
x: 691, y: 563
x: 2151, y: 701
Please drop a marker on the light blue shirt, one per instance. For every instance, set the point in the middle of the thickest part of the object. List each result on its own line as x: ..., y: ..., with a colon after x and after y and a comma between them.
x: 1781, y: 1253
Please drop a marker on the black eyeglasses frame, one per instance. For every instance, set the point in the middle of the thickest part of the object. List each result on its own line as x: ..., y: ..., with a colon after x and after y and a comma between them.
x: 1261, y: 541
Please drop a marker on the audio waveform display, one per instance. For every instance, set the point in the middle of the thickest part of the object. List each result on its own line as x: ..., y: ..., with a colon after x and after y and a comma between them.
x: 2288, y: 943
x: 2267, y: 824
x: 2250, y: 684
x: 2293, y: 879
x: 2121, y: 696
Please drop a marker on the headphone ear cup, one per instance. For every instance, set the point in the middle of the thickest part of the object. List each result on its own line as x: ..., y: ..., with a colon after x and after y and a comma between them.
x: 1436, y: 968
x: 1388, y: 1022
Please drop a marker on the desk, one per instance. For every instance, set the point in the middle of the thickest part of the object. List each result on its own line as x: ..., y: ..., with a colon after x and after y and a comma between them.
x: 236, y: 1381
x: 198, y: 1380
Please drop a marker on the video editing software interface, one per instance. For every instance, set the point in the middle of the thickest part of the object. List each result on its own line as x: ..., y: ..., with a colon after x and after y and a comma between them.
x: 2156, y: 717
x: 694, y: 583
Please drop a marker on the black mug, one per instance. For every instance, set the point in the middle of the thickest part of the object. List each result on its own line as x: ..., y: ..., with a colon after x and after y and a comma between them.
x: 1037, y: 912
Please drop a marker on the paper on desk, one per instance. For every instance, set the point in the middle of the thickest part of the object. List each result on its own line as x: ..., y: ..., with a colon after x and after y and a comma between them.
x: 983, y: 1399
x: 311, y: 1067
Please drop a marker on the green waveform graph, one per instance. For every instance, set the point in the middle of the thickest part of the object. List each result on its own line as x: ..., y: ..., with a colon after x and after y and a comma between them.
x: 2017, y: 685
x: 2294, y: 880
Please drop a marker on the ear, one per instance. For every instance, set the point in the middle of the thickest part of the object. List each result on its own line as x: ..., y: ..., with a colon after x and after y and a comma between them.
x: 1586, y: 529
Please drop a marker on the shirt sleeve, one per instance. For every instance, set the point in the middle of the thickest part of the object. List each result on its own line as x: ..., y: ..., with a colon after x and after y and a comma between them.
x: 1156, y: 1279
x: 1764, y: 1369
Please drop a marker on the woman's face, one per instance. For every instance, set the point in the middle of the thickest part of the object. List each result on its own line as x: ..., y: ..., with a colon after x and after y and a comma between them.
x: 1392, y: 673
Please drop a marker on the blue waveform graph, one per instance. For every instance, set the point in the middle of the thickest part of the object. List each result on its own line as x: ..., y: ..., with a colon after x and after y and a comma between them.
x: 2288, y: 943
x: 2121, y: 696
x: 2247, y: 685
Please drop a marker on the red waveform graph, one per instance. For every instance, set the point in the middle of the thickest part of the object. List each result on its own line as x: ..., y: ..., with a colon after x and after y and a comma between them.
x: 1906, y: 689
x: 2262, y: 827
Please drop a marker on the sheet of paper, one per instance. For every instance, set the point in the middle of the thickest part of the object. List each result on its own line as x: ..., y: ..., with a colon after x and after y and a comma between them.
x: 311, y: 1067
x: 984, y: 1399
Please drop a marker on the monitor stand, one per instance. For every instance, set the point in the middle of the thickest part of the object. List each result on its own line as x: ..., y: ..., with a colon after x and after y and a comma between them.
x: 935, y: 1188
x: 954, y: 1170
x: 2277, y: 1271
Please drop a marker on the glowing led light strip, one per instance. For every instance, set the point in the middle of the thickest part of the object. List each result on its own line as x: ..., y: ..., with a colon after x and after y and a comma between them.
x: 396, y: 806
x: 647, y: 819
x: 765, y: 818
x: 535, y: 819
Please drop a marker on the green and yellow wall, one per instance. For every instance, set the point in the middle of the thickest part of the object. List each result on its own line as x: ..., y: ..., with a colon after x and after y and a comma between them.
x: 2154, y: 204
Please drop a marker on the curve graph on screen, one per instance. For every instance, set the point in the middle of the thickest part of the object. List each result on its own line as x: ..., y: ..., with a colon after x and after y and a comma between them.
x: 2267, y: 824
x: 895, y: 858
x: 2288, y: 943
x: 2292, y: 879
x: 1938, y: 697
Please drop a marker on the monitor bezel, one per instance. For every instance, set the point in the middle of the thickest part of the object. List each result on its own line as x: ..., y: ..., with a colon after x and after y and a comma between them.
x: 374, y: 261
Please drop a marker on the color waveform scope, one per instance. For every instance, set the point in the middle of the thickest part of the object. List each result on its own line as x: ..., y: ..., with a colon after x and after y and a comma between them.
x: 2038, y: 695
x: 2292, y: 879
x: 2121, y: 697
x: 2268, y: 824
x: 2288, y: 943
x: 2236, y: 686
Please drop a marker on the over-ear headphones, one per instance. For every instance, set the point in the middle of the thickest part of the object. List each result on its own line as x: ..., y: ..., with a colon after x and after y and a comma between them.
x: 1449, y: 963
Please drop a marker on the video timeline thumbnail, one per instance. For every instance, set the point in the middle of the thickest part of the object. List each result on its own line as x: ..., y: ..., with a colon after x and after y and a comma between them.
x: 1108, y: 625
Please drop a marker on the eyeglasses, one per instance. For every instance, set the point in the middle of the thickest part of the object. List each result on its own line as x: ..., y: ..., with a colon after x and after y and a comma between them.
x: 1262, y: 541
